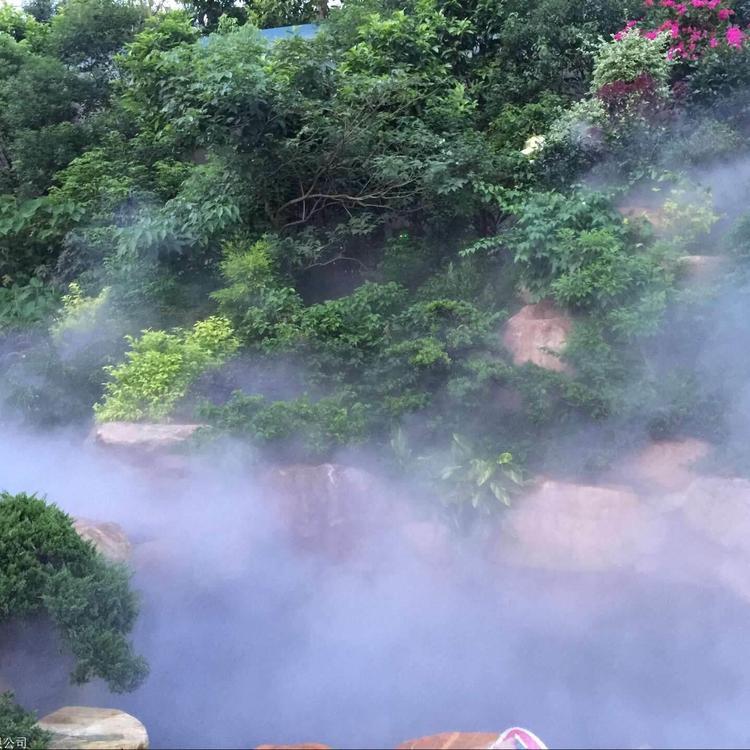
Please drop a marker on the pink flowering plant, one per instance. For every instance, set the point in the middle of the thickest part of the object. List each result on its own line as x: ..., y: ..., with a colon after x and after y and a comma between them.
x: 693, y: 27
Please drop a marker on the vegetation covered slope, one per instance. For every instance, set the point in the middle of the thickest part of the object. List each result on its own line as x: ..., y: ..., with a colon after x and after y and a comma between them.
x: 313, y: 244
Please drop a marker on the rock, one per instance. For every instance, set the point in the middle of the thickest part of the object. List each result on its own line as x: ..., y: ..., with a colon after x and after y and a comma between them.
x: 84, y: 728
x: 720, y: 508
x: 452, y: 741
x: 535, y: 332
x: 429, y: 539
x: 565, y: 526
x: 663, y: 466
x: 108, y: 538
x: 326, y: 508
x: 142, y: 436
x: 654, y: 216
x: 701, y: 268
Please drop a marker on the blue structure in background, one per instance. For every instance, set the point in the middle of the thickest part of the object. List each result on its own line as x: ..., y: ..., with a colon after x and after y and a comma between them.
x: 306, y: 31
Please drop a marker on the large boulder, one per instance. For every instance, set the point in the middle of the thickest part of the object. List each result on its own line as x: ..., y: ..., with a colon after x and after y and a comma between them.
x: 452, y: 741
x: 326, y: 508
x: 108, y: 538
x: 143, y: 437
x: 84, y: 728
x: 663, y: 466
x: 538, y: 334
x: 566, y: 526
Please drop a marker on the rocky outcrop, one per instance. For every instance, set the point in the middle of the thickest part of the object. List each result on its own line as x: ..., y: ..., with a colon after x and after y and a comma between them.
x: 452, y: 741
x: 663, y: 466
x: 326, y: 508
x: 566, y: 526
x: 108, y: 538
x: 538, y: 334
x: 84, y: 728
x: 142, y: 436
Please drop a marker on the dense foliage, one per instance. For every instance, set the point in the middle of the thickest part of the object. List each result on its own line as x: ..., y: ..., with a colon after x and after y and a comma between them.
x: 313, y: 243
x: 15, y: 723
x: 46, y: 568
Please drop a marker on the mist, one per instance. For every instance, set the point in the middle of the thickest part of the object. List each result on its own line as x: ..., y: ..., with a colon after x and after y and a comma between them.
x: 251, y: 641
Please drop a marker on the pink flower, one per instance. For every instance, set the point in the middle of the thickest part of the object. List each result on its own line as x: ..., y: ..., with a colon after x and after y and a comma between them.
x: 666, y: 3
x: 697, y: 3
x: 648, y: 3
x: 651, y: 34
x: 724, y: 13
x: 681, y: 8
x: 630, y: 24
x: 734, y: 36
x: 712, y: 4
x: 713, y: 42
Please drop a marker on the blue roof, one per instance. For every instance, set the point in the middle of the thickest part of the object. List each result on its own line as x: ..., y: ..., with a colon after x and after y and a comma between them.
x: 306, y: 31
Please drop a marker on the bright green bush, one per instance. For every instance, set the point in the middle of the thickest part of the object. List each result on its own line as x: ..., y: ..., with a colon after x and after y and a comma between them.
x: 160, y: 367
x: 46, y: 568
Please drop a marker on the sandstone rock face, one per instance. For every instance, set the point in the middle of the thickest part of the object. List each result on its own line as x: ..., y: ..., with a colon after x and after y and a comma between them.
x: 108, y: 538
x: 565, y: 526
x: 535, y: 333
x: 143, y: 437
x: 452, y: 741
x: 664, y: 466
x: 327, y: 508
x: 83, y: 728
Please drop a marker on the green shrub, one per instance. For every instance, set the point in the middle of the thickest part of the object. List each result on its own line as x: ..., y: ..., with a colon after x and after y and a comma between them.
x: 45, y: 567
x: 15, y: 722
x: 630, y: 57
x: 25, y: 305
x: 160, y: 367
x: 300, y: 428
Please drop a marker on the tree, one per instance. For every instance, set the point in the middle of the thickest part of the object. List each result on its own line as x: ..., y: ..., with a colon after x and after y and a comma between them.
x: 45, y: 567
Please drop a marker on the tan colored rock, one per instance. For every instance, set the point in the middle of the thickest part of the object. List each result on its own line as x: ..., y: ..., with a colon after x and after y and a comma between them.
x: 701, y: 268
x: 664, y: 465
x: 537, y: 334
x: 565, y: 526
x: 84, y: 728
x: 326, y: 508
x: 452, y: 741
x: 142, y: 436
x: 108, y: 538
